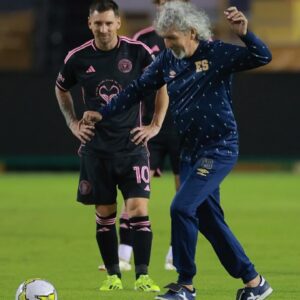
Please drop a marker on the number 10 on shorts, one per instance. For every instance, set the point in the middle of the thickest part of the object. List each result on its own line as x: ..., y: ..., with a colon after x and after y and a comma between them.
x: 142, y: 174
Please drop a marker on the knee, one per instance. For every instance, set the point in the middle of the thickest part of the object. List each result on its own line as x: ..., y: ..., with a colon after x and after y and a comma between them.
x: 179, y: 210
x: 137, y: 212
x: 137, y: 208
x: 105, y: 211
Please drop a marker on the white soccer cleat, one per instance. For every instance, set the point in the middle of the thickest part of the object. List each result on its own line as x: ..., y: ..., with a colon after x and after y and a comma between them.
x: 101, y: 267
x: 124, y: 265
x: 169, y: 266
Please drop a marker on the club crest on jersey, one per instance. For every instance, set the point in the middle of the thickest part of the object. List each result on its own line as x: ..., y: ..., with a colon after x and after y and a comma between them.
x: 202, y: 65
x: 107, y: 89
x: 84, y: 187
x: 125, y: 65
x: 172, y: 74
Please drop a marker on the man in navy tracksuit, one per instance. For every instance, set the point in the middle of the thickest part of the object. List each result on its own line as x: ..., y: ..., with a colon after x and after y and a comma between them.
x: 198, y: 74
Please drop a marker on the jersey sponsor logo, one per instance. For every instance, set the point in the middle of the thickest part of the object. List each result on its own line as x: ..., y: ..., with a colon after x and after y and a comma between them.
x: 172, y: 74
x: 107, y: 89
x: 84, y: 187
x: 201, y: 65
x: 90, y: 69
x: 125, y: 65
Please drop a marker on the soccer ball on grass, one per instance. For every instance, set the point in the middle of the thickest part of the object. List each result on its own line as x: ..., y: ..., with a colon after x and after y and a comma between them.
x: 36, y: 289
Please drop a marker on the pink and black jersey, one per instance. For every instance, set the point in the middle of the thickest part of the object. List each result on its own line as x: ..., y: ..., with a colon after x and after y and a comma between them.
x: 156, y: 43
x: 149, y: 37
x: 102, y: 75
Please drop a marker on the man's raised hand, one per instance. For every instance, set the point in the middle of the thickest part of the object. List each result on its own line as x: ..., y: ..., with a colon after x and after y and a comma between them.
x: 237, y: 20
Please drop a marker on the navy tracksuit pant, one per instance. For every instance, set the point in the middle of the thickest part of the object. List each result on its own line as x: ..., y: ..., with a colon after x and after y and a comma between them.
x: 196, y: 206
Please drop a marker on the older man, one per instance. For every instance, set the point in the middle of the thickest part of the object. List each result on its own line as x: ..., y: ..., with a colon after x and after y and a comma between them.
x: 198, y: 74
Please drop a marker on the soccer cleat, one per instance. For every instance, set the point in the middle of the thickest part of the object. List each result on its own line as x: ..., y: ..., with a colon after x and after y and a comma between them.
x: 145, y: 284
x: 262, y: 291
x: 101, y: 267
x: 177, y: 292
x: 169, y: 265
x: 124, y: 265
x: 112, y: 283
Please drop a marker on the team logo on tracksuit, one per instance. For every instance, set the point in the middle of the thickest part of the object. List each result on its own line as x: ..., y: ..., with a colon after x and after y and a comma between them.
x: 206, y: 165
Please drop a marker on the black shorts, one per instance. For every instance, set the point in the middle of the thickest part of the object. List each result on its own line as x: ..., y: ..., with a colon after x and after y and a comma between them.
x: 160, y: 147
x: 100, y: 178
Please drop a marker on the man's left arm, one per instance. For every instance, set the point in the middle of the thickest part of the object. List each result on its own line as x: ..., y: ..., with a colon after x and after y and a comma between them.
x: 238, y: 58
x: 151, y: 79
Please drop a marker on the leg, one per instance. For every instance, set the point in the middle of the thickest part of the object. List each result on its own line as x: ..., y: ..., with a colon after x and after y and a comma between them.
x: 134, y: 184
x: 231, y: 254
x: 169, y: 257
x: 141, y: 242
x: 174, y: 153
x: 107, y: 237
x: 125, y: 246
x: 198, y: 182
x: 101, y: 191
x: 157, y: 155
x: 177, y: 182
x: 141, y: 233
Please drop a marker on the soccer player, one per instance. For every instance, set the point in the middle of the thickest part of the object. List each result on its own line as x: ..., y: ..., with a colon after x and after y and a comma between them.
x: 165, y: 144
x: 109, y: 159
x: 198, y: 73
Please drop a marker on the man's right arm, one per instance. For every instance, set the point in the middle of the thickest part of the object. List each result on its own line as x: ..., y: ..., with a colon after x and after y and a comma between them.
x: 151, y: 79
x: 82, y: 131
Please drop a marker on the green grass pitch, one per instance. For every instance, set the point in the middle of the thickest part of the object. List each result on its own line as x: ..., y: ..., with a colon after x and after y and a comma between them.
x: 45, y: 233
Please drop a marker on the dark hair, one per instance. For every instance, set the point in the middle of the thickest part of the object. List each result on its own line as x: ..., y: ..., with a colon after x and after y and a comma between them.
x: 104, y: 5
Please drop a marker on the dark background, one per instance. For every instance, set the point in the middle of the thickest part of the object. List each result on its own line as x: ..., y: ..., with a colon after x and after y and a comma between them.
x: 33, y: 133
x: 266, y: 105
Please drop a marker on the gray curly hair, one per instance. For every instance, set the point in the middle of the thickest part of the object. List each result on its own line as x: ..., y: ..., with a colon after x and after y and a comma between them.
x: 183, y: 16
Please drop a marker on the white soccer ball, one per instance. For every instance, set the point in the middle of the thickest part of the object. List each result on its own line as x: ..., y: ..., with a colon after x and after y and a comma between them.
x: 36, y: 289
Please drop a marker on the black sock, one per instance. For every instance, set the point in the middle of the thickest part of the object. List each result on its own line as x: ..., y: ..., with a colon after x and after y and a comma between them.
x: 125, y: 231
x: 106, y: 235
x: 141, y: 243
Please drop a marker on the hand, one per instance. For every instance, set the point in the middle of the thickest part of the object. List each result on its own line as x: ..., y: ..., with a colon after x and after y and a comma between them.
x: 91, y: 117
x: 237, y: 20
x: 143, y: 134
x: 83, y: 132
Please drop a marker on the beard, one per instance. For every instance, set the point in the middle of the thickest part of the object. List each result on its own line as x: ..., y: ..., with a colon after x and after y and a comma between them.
x: 180, y: 54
